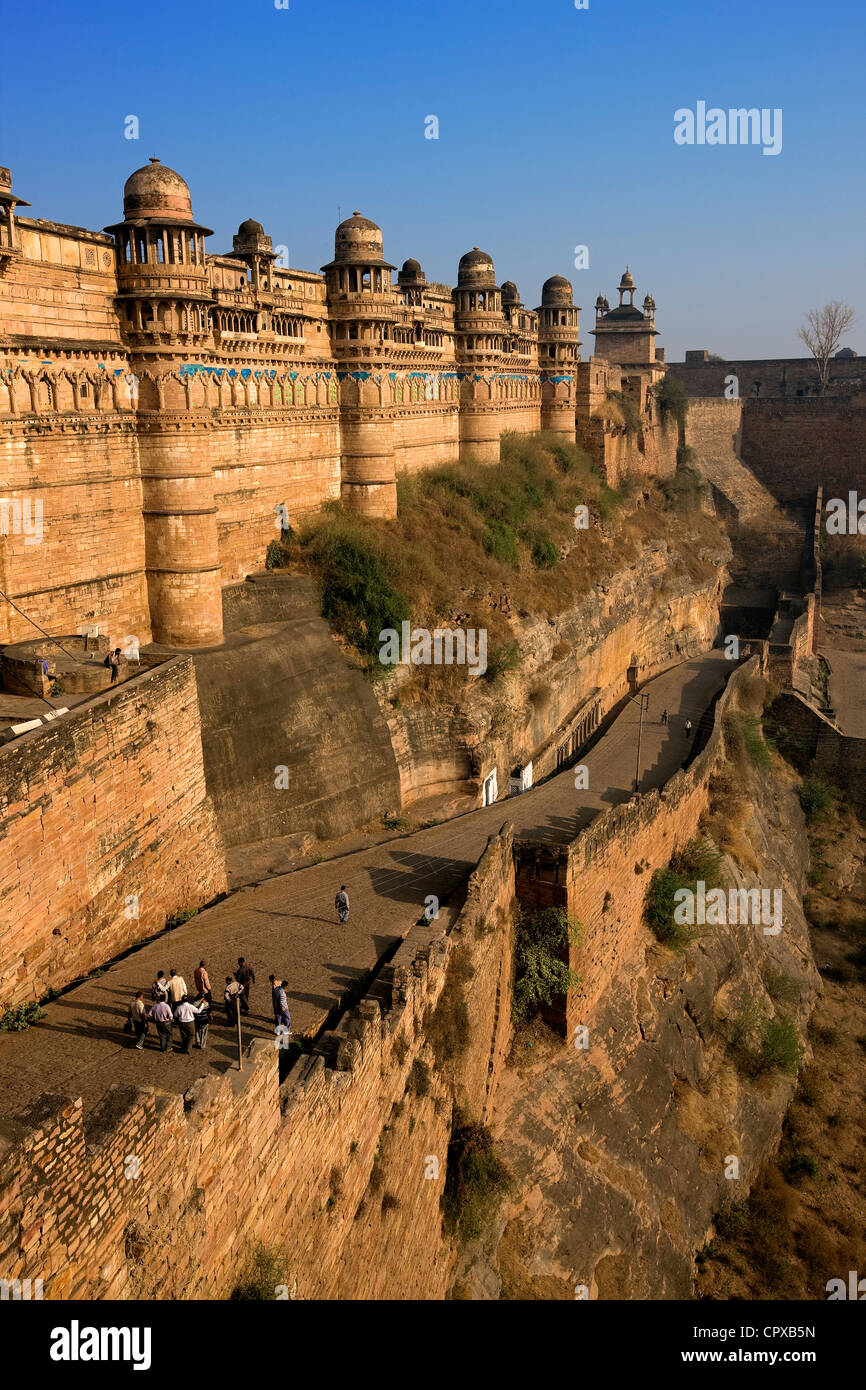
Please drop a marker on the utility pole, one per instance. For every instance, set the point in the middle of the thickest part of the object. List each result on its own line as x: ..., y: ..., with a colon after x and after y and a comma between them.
x: 238, y: 1016
x: 643, y: 701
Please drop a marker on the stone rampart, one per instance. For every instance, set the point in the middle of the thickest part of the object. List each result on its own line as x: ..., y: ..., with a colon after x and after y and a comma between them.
x: 107, y: 831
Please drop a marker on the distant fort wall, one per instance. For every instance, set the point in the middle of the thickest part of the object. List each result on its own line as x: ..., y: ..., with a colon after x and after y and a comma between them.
x: 795, y: 446
x: 108, y: 831
x: 784, y: 377
x: 789, y: 437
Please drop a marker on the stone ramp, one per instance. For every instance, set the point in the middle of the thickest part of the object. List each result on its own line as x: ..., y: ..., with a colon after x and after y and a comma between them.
x: 280, y: 694
x: 728, y: 475
x: 767, y: 542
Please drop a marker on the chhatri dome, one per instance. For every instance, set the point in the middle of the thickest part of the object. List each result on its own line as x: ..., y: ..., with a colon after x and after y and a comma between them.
x: 510, y: 293
x: 156, y: 191
x: 412, y: 273
x: 557, y: 291
x: 358, y: 241
x: 476, y: 267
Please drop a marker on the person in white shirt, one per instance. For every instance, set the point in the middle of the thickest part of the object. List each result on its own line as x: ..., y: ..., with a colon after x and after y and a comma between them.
x: 176, y: 987
x: 184, y: 1017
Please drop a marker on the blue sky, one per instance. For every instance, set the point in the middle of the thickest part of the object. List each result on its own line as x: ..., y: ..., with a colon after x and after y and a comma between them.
x: 555, y: 130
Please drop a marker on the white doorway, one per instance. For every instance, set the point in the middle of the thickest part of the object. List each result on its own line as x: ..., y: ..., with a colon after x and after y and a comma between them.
x: 490, y: 789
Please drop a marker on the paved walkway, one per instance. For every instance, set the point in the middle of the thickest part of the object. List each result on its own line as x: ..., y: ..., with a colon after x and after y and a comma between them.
x: 844, y: 646
x: 287, y: 924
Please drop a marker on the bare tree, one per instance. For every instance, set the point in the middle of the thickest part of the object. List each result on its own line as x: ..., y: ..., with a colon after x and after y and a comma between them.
x: 822, y: 333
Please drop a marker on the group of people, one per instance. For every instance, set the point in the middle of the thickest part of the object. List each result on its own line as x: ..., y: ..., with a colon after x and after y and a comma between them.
x: 171, y: 1004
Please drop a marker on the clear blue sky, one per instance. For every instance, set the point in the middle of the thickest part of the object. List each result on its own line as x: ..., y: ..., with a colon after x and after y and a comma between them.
x: 556, y: 129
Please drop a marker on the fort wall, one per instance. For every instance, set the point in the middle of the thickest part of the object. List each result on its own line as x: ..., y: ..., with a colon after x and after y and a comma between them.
x: 794, y: 446
x: 784, y: 377
x: 839, y: 758
x: 108, y: 831
x: 343, y: 1166
x: 206, y: 390
x: 611, y: 863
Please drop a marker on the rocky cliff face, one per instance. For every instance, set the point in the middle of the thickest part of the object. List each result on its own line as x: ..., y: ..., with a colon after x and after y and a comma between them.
x: 622, y: 1151
x: 660, y: 609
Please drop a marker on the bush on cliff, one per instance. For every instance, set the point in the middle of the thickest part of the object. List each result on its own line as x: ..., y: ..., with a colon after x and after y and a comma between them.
x: 545, y: 555
x: 683, y: 488
x: 762, y: 1044
x: 500, y: 541
x: 672, y: 401
x: 747, y: 737
x: 698, y: 861
x: 505, y: 657
x: 542, y: 973
x: 816, y: 799
x: 630, y: 415
x: 359, y: 595
x: 476, y: 1180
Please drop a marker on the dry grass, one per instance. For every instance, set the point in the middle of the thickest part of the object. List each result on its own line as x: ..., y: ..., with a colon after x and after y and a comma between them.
x: 727, y: 816
x: 476, y: 546
x: 804, y: 1221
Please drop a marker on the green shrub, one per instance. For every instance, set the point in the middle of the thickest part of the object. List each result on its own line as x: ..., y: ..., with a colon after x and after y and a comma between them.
x: 799, y: 1165
x: 673, y: 403
x: 696, y: 861
x: 761, y: 1044
x: 358, y: 594
x: 816, y: 799
x: 780, y: 1048
x: 476, y: 1180
x: 607, y: 501
x: 500, y: 542
x: 180, y: 917
x: 630, y: 412
x: 277, y: 555
x: 545, y: 555
x: 17, y: 1019
x: 747, y: 731
x: 505, y: 657
x: 683, y: 488
x: 542, y: 973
